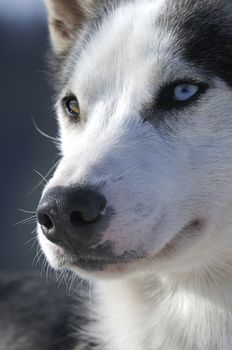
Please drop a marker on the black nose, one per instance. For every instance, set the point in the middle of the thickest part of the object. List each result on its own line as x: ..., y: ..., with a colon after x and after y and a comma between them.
x: 70, y: 212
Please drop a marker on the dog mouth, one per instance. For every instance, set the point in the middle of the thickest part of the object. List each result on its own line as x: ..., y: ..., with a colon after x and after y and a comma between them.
x: 95, y: 259
x: 95, y: 264
x: 103, y: 257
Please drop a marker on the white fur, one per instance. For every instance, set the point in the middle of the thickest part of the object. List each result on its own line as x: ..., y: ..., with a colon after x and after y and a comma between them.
x: 179, y: 296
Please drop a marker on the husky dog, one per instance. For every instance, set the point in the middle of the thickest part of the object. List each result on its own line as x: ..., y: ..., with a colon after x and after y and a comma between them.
x: 141, y: 201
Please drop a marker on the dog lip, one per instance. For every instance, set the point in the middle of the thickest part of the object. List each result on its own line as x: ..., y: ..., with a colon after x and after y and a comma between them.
x: 95, y: 264
x: 98, y: 260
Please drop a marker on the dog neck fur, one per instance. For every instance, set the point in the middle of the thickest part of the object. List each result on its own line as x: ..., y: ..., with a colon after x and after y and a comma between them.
x: 162, y: 312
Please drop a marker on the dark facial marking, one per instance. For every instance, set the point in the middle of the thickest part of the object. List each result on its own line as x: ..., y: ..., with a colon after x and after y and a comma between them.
x: 204, y: 31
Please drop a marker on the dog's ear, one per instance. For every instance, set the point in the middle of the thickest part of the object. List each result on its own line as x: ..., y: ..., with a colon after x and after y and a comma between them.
x: 65, y: 17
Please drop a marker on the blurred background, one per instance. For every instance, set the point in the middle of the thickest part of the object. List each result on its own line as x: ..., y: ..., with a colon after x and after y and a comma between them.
x: 25, y: 95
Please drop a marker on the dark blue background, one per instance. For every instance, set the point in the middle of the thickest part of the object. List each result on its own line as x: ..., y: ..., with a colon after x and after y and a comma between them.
x: 24, y: 93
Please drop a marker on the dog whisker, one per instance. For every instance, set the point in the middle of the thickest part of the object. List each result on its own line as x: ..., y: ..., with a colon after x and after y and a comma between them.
x: 72, y: 279
x: 33, y: 239
x: 43, y: 179
x: 29, y: 220
x: 61, y: 278
x: 48, y: 271
x: 41, y: 175
x: 54, y: 139
x: 37, y: 257
x: 27, y: 211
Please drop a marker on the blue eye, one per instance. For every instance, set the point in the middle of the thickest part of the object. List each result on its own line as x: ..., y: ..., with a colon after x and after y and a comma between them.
x: 180, y: 94
x: 184, y: 92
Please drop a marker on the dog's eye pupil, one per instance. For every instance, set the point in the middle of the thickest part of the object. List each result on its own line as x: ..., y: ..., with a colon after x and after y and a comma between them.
x: 72, y: 107
x: 184, y: 92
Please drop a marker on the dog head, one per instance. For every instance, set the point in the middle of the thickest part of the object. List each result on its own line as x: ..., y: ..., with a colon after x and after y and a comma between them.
x: 144, y: 109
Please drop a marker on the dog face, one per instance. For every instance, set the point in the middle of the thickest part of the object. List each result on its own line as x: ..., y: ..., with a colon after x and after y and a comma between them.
x: 144, y: 109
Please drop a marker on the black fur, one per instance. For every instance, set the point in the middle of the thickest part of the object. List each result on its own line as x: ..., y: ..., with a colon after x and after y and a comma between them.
x: 204, y: 34
x: 36, y: 314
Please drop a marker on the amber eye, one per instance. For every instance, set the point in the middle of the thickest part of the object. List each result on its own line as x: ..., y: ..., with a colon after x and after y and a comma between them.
x: 71, y: 106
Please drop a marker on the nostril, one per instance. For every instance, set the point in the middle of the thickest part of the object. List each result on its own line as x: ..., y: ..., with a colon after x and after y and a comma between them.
x: 76, y: 217
x: 89, y: 207
x: 45, y: 221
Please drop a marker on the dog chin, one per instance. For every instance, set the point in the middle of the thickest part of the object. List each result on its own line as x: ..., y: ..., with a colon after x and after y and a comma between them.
x: 89, y: 268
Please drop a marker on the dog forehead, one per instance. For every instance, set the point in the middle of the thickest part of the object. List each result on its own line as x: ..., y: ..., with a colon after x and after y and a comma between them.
x: 139, y: 39
x: 121, y: 53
